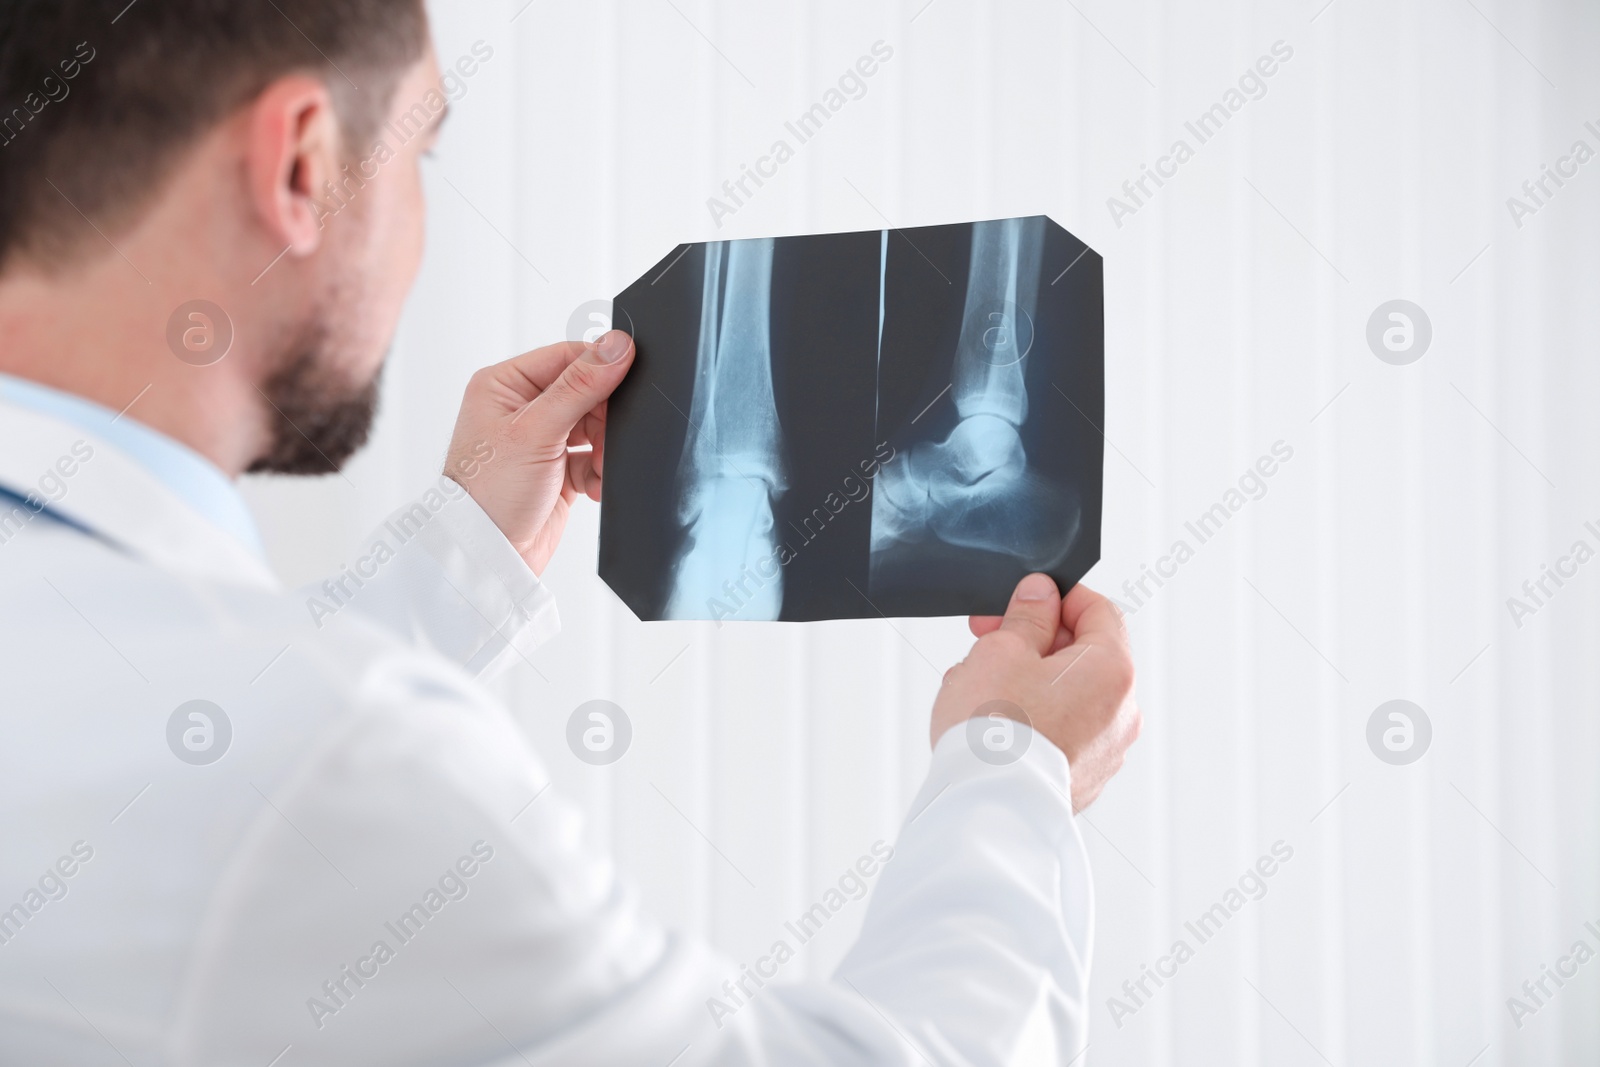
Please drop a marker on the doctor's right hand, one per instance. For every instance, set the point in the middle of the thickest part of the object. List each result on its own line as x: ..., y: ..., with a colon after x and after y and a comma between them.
x: 1066, y: 664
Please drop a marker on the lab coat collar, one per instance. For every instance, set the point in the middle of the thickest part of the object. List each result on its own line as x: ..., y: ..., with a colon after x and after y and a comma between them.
x: 118, y: 499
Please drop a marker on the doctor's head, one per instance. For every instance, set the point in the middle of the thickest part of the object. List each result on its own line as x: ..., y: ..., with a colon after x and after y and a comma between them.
x: 263, y: 157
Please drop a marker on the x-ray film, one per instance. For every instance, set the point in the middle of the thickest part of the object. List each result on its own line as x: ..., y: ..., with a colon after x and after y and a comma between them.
x: 857, y: 425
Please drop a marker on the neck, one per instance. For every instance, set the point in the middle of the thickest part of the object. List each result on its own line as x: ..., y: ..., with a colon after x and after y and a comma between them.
x: 65, y: 341
x: 98, y: 329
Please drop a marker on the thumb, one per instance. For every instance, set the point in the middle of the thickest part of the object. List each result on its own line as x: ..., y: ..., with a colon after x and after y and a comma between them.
x: 585, y: 383
x: 1034, y: 612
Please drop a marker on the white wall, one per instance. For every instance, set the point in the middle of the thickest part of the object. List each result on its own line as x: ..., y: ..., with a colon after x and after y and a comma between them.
x: 1378, y: 565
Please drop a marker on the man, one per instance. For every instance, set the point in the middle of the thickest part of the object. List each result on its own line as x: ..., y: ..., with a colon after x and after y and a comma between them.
x: 235, y: 834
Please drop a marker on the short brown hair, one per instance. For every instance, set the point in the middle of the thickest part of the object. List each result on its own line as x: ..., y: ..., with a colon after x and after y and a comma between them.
x: 99, y: 97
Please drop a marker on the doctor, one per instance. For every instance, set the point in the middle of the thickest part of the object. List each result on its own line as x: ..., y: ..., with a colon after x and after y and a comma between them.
x: 235, y: 834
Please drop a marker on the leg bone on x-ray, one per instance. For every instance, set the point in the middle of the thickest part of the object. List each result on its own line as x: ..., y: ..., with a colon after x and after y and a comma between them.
x: 732, y: 468
x: 974, y: 489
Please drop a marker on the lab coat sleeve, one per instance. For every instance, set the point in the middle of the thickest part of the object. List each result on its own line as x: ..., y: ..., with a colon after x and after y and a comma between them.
x: 452, y: 912
x: 441, y: 575
x: 975, y: 947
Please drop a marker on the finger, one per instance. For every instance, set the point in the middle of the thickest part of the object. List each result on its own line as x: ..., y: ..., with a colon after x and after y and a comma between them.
x: 1035, y: 611
x: 579, y: 437
x: 589, y: 433
x: 595, y: 429
x: 581, y: 387
x: 526, y: 376
x: 581, y: 474
x: 1088, y: 614
x: 988, y: 624
x: 592, y: 425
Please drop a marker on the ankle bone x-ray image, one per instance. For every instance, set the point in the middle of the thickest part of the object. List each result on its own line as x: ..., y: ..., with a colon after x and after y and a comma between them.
x: 858, y: 425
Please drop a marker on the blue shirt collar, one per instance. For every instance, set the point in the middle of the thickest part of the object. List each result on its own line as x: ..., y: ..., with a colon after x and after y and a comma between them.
x: 195, y: 479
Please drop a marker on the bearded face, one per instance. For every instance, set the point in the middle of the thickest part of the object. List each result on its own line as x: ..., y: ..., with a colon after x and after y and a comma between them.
x: 317, y: 418
x: 321, y: 397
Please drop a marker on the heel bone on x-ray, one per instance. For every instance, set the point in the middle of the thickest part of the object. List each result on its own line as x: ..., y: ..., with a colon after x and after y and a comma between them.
x: 974, y: 488
x: 857, y: 425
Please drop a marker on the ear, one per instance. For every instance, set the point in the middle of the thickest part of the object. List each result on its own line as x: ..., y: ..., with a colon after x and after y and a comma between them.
x: 293, y: 150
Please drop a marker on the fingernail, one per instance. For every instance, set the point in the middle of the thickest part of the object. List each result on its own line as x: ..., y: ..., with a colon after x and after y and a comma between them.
x: 1036, y: 587
x: 612, y: 347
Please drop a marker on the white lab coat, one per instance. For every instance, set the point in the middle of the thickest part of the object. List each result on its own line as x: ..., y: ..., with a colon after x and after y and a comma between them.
x: 372, y: 793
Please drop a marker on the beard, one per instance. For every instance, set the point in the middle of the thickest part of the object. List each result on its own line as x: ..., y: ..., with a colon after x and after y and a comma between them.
x: 317, y: 419
x: 318, y: 413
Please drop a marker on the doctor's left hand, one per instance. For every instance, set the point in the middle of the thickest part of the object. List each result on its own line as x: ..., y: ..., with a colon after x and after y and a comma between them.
x: 517, y: 439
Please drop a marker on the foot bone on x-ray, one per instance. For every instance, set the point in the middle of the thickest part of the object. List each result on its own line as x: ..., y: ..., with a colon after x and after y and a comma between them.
x: 731, y: 468
x: 974, y: 488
